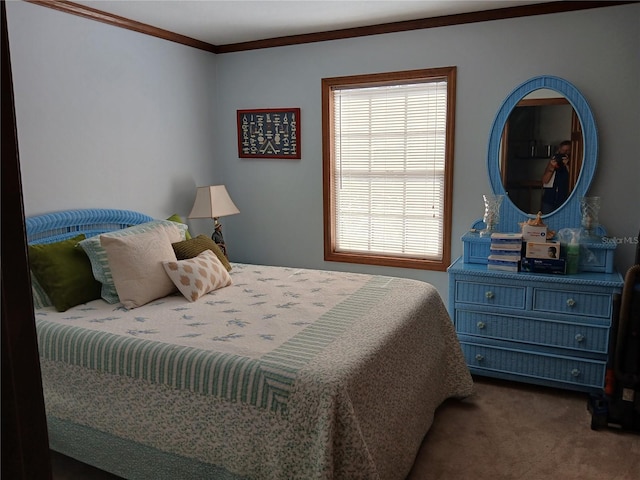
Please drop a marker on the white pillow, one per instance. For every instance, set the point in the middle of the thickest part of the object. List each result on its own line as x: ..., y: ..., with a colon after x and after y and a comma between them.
x: 98, y: 257
x: 136, y: 266
x: 198, y: 276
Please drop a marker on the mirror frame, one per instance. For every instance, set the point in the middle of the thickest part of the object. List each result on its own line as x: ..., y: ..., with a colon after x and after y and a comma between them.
x: 568, y: 214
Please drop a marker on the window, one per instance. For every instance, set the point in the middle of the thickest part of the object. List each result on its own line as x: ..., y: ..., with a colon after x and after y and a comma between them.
x: 388, y: 168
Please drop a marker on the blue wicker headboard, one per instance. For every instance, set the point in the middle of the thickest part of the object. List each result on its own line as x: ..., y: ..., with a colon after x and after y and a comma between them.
x: 57, y: 226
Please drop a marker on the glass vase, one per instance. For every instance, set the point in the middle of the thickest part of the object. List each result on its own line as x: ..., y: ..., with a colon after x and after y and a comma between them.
x: 589, y: 208
x: 491, y: 216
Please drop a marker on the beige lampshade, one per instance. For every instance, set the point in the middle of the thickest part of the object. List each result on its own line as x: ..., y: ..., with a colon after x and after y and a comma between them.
x: 212, y: 202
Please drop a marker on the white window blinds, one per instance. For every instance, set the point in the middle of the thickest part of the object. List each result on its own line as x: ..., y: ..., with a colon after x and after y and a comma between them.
x: 389, y: 163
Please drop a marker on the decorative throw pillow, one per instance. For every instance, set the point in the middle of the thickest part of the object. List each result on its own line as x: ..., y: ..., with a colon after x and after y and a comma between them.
x: 198, y: 276
x: 98, y: 255
x: 195, y: 246
x: 40, y: 297
x: 136, y: 266
x: 64, y: 271
x: 178, y: 219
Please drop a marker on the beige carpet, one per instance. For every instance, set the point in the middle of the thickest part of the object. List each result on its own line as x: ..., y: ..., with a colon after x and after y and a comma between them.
x: 505, y: 431
x: 515, y: 431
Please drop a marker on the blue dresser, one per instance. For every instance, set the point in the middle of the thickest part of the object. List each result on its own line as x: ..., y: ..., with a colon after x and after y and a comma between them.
x: 545, y: 329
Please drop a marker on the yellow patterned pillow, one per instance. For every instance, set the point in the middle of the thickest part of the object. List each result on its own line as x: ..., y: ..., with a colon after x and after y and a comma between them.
x: 198, y: 276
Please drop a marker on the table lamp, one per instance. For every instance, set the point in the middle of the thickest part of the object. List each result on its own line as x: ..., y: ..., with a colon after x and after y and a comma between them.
x: 214, y: 202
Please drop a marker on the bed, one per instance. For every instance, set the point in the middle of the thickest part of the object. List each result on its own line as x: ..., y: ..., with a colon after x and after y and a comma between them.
x: 285, y: 373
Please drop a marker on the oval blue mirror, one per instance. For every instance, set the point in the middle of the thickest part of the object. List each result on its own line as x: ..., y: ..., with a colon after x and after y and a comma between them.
x: 568, y: 213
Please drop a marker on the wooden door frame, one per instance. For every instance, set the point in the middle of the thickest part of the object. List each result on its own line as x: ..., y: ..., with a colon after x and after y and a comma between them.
x: 25, y: 441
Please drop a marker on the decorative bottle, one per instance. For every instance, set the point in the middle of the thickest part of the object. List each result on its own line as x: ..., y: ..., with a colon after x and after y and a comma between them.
x: 491, y: 216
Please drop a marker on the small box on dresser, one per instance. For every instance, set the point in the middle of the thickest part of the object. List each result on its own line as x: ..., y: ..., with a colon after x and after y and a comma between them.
x: 544, y: 265
x: 535, y: 233
x: 505, y: 251
x: 506, y: 263
x: 508, y: 241
x: 542, y: 250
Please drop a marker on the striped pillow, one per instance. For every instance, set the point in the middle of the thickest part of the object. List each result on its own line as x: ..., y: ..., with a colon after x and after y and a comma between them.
x: 40, y: 297
x: 98, y: 255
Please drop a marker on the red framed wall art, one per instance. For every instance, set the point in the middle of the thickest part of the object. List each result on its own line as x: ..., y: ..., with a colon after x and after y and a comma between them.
x: 269, y: 133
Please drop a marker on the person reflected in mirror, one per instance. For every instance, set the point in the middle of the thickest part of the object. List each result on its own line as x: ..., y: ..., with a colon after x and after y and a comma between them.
x: 555, y: 181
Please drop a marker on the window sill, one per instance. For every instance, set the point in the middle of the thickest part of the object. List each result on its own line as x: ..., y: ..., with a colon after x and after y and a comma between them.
x: 387, y: 261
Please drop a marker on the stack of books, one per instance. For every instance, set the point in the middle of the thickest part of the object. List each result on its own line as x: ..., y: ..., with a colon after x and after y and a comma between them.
x: 505, y: 252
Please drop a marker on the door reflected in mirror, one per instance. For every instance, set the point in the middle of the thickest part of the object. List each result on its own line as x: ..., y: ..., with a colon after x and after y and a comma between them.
x: 538, y: 171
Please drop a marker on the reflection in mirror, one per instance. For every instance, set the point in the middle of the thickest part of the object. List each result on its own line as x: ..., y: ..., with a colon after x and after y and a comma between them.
x: 532, y: 136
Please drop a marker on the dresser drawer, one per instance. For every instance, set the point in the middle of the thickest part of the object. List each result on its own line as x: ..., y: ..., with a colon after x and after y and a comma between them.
x: 567, y: 370
x: 490, y: 294
x: 588, y: 338
x: 572, y: 302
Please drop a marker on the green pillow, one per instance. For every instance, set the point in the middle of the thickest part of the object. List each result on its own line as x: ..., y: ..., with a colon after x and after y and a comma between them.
x: 195, y: 246
x: 64, y: 271
x: 178, y: 219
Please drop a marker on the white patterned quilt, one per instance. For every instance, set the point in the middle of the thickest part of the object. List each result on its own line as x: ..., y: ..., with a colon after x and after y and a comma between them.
x: 288, y: 373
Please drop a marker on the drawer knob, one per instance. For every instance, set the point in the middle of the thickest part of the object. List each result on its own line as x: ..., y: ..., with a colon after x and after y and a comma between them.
x: 480, y: 325
x: 571, y: 302
x: 575, y: 372
x: 479, y: 357
x: 489, y: 294
x: 579, y: 338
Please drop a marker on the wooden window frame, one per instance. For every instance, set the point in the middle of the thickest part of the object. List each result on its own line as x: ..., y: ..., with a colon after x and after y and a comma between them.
x: 368, y: 80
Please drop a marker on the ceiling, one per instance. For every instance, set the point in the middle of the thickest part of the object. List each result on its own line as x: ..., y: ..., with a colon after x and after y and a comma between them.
x: 233, y: 21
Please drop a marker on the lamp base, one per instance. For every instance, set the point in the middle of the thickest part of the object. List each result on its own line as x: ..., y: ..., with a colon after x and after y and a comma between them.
x: 217, y: 236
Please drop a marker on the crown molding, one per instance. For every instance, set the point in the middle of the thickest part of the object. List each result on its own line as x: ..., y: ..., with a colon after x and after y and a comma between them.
x: 394, y: 27
x: 424, y: 23
x: 122, y: 22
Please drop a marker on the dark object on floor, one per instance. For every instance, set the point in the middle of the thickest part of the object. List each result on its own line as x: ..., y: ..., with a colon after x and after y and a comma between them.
x: 619, y: 406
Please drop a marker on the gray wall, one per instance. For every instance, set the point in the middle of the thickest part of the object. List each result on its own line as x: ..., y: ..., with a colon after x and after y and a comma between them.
x: 281, y: 200
x: 112, y: 118
x: 108, y: 117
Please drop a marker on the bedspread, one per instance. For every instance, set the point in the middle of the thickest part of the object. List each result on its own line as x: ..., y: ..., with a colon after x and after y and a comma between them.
x: 289, y: 373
